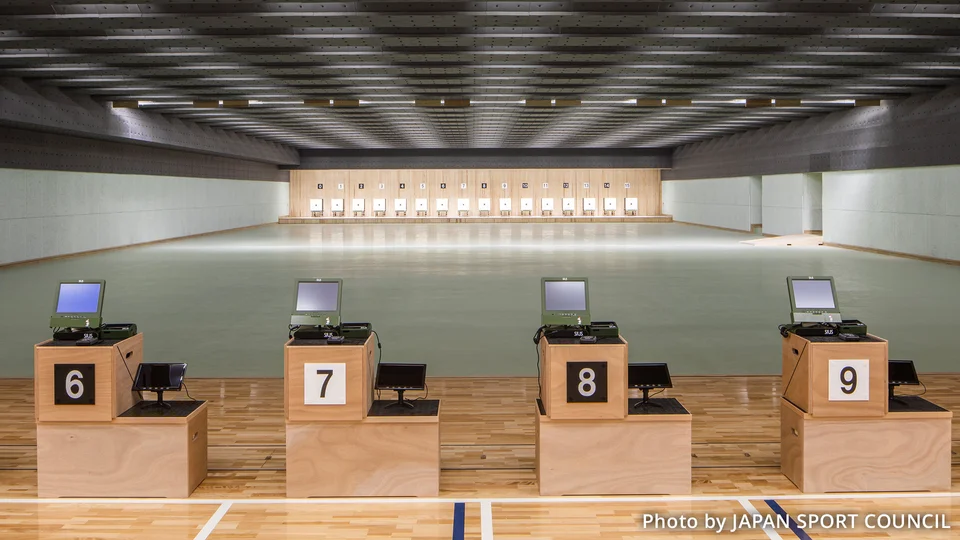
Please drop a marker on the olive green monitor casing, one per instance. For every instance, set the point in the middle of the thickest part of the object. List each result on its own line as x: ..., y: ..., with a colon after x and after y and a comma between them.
x: 77, y: 319
x: 306, y: 317
x: 806, y: 312
x: 578, y: 315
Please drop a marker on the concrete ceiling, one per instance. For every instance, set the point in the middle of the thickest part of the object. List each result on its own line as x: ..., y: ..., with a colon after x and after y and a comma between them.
x: 705, y: 58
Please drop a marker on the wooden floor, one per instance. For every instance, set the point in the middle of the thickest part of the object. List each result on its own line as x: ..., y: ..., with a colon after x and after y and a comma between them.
x: 487, y: 453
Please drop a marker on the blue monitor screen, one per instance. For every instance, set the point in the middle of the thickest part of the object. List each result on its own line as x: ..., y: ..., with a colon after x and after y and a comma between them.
x: 79, y: 298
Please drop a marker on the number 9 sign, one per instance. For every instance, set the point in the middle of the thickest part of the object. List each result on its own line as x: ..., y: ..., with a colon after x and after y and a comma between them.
x: 849, y: 380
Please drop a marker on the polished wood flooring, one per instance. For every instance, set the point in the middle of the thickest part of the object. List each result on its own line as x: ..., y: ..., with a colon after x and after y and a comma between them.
x: 487, y: 449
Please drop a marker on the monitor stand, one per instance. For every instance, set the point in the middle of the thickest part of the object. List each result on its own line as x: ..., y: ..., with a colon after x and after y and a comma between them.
x: 892, y: 397
x: 159, y: 403
x: 645, y: 402
x: 400, y: 402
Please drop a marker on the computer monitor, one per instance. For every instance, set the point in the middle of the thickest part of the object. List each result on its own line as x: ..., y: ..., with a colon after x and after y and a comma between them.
x: 316, y: 302
x: 400, y: 378
x: 78, y: 304
x: 564, y: 302
x: 813, y: 299
x: 901, y: 372
x: 159, y: 378
x: 647, y: 377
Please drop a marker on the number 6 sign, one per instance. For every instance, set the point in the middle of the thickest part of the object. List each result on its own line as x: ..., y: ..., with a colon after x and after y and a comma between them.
x: 849, y: 380
x: 74, y: 384
x: 324, y: 384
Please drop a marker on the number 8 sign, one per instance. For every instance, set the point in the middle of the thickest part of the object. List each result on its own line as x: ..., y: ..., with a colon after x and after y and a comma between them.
x: 586, y: 382
x: 849, y: 380
x: 324, y: 384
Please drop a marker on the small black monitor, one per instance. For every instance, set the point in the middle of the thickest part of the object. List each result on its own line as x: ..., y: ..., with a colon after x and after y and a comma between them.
x: 900, y: 372
x: 400, y: 378
x: 159, y: 378
x: 647, y: 377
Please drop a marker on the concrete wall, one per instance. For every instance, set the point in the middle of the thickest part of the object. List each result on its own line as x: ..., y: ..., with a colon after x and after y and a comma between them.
x: 50, y: 213
x: 914, y: 211
x: 732, y: 203
x: 812, y: 202
x: 782, y: 204
x: 791, y: 203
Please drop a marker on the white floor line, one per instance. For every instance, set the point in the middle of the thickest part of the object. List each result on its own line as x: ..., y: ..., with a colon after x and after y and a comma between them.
x: 212, y: 522
x: 772, y: 534
x: 486, y: 520
x: 500, y: 500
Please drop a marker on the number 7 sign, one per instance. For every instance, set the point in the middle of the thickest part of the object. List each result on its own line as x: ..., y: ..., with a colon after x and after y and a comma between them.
x: 324, y: 384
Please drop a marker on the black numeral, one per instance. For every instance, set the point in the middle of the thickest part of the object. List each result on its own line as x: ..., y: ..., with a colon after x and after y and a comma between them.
x: 326, y: 380
x: 848, y: 380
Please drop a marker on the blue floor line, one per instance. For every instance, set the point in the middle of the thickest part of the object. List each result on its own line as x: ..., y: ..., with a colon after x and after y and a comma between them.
x: 801, y: 534
x: 459, y: 510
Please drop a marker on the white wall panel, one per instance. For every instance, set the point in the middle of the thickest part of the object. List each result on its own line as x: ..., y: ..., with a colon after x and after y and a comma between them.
x: 50, y: 213
x: 731, y: 203
x: 914, y: 211
x: 783, y: 204
x: 812, y: 202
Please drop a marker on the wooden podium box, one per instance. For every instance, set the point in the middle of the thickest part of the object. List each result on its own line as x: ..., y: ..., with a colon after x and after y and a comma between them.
x: 807, y: 377
x: 554, y: 357
x: 839, y: 432
x: 110, y: 361
x: 592, y: 446
x: 903, y: 451
x: 134, y: 456
x: 93, y: 440
x: 647, y: 454
x: 343, y: 443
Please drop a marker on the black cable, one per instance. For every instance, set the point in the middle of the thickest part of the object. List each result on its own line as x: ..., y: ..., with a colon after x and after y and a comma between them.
x: 536, y: 340
x: 185, y: 389
x: 427, y: 388
x: 379, y: 357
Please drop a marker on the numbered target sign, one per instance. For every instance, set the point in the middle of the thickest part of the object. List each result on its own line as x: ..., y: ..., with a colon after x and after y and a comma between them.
x: 324, y: 384
x: 849, y: 380
x: 586, y: 382
x: 74, y: 384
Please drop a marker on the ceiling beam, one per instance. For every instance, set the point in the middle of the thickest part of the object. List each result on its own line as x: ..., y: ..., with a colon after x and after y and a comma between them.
x: 51, y: 110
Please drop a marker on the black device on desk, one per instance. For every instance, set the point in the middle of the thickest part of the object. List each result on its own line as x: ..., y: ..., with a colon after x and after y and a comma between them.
x: 901, y: 372
x: 118, y: 331
x: 159, y: 378
x: 400, y: 378
x: 314, y: 332
x: 647, y: 377
x: 602, y: 329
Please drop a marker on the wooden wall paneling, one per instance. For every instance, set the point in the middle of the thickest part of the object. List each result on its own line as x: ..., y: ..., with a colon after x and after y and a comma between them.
x: 644, y: 185
x: 336, y: 185
x: 561, y: 177
x: 481, y: 178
